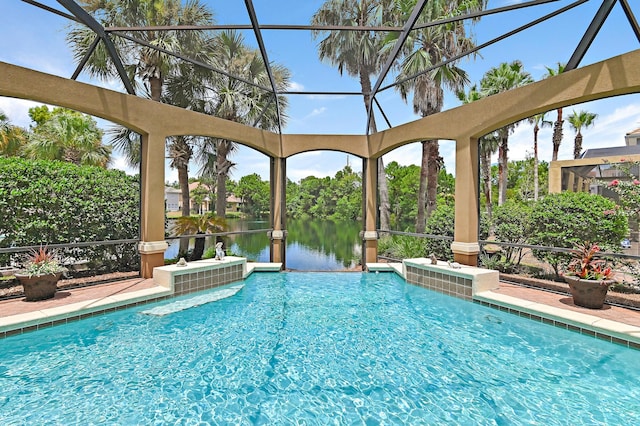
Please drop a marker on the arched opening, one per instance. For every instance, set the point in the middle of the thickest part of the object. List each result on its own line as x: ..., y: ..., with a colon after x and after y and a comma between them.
x: 324, y: 211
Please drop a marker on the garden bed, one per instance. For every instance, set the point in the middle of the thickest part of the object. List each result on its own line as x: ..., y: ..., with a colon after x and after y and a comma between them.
x: 11, y: 289
x: 631, y: 300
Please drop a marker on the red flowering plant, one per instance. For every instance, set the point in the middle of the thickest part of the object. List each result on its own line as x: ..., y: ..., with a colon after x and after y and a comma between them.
x: 627, y: 189
x: 587, y: 265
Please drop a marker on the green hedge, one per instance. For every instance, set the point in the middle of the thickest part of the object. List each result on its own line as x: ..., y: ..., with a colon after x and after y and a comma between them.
x: 51, y: 202
x: 570, y: 218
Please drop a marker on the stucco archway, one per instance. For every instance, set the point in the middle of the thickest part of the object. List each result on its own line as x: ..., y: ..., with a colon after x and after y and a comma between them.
x: 464, y: 124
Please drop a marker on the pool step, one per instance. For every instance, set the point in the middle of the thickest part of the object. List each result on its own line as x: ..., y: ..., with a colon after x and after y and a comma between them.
x: 192, y: 302
x: 385, y: 267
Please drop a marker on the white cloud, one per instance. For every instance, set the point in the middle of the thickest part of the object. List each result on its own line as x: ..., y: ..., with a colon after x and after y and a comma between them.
x: 608, y: 130
x: 170, y: 175
x: 294, y: 86
x: 405, y: 155
x: 315, y: 112
x: 17, y: 110
x: 120, y: 163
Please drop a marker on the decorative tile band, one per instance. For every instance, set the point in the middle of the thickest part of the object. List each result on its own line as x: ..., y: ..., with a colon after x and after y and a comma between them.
x: 80, y: 316
x: 562, y: 324
x: 207, y: 279
x: 441, y: 282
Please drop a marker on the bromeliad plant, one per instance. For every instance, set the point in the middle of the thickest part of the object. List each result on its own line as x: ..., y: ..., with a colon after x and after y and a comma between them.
x: 585, y: 263
x: 42, y: 262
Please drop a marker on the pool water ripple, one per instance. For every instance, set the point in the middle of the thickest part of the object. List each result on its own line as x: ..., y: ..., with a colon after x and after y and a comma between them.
x: 317, y: 348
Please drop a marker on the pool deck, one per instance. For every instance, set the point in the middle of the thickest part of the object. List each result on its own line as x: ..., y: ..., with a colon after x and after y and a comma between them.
x: 18, y: 316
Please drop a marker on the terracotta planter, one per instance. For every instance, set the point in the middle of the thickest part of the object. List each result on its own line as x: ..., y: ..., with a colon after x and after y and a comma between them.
x: 39, y: 287
x: 588, y: 293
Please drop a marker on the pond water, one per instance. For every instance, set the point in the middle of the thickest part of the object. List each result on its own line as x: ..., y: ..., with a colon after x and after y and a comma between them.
x: 312, y: 245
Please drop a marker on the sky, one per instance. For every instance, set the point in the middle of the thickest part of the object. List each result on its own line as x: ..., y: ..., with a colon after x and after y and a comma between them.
x: 34, y: 38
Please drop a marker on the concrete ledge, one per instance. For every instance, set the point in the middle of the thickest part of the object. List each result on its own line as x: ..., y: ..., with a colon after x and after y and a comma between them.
x: 380, y: 267
x: 574, y: 319
x: 164, y: 275
x: 74, y: 310
x: 262, y: 267
x: 481, y: 279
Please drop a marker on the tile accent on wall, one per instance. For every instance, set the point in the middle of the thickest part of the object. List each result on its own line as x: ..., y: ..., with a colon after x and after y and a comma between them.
x: 452, y: 285
x: 190, y: 282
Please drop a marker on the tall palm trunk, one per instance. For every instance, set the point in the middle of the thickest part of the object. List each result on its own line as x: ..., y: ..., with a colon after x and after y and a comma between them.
x: 557, y: 135
x: 222, y: 167
x: 536, y: 188
x: 433, y: 169
x: 422, y: 191
x: 383, y: 189
x: 503, y: 150
x: 485, y: 161
x: 577, y: 147
x: 428, y: 187
x: 155, y: 84
x: 183, y: 180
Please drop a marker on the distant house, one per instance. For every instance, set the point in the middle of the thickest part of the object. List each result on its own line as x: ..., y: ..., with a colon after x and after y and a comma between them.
x: 173, y: 199
x: 593, y: 166
x: 632, y: 137
x: 234, y: 203
x: 201, y: 202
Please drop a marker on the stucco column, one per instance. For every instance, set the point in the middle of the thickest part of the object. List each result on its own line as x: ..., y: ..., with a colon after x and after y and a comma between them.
x: 278, y: 210
x: 152, y: 245
x: 571, y: 181
x: 555, y: 178
x: 465, y: 245
x: 370, y: 209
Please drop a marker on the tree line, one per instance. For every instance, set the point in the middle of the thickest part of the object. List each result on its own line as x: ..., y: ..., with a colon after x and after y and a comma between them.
x: 423, y: 69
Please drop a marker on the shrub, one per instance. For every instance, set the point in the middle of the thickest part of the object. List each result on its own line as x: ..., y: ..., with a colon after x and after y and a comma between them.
x: 51, y: 202
x: 441, y: 222
x: 570, y: 218
x: 512, y: 224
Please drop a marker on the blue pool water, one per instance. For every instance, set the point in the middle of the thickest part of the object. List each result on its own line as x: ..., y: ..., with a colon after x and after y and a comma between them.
x: 317, y: 348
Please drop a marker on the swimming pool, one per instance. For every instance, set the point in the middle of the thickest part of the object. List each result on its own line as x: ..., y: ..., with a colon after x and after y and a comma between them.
x: 317, y: 348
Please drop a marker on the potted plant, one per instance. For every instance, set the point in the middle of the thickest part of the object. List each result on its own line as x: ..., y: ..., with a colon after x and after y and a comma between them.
x: 588, y: 276
x: 40, y: 274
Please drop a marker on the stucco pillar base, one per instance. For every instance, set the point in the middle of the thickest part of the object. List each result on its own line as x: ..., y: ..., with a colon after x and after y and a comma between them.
x: 465, y: 253
x: 151, y: 255
x: 277, y: 245
x: 370, y: 240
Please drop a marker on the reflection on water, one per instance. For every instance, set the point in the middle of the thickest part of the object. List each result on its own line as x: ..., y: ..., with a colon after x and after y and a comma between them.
x: 311, y: 245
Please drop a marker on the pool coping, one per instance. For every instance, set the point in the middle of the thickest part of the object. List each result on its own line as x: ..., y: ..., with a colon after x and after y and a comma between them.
x: 48, y: 317
x: 584, y: 323
x: 612, y: 331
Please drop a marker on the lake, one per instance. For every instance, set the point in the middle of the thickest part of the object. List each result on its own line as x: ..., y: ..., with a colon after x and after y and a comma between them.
x: 312, y: 245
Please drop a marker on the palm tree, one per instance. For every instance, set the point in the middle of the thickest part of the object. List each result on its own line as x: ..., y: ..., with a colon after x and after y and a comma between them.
x: 557, y: 126
x: 12, y: 138
x: 580, y: 120
x: 500, y: 79
x: 145, y: 63
x: 488, y: 145
x: 235, y: 100
x: 538, y: 122
x: 426, y: 48
x: 359, y: 53
x: 191, y: 225
x: 68, y: 136
x: 150, y: 66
